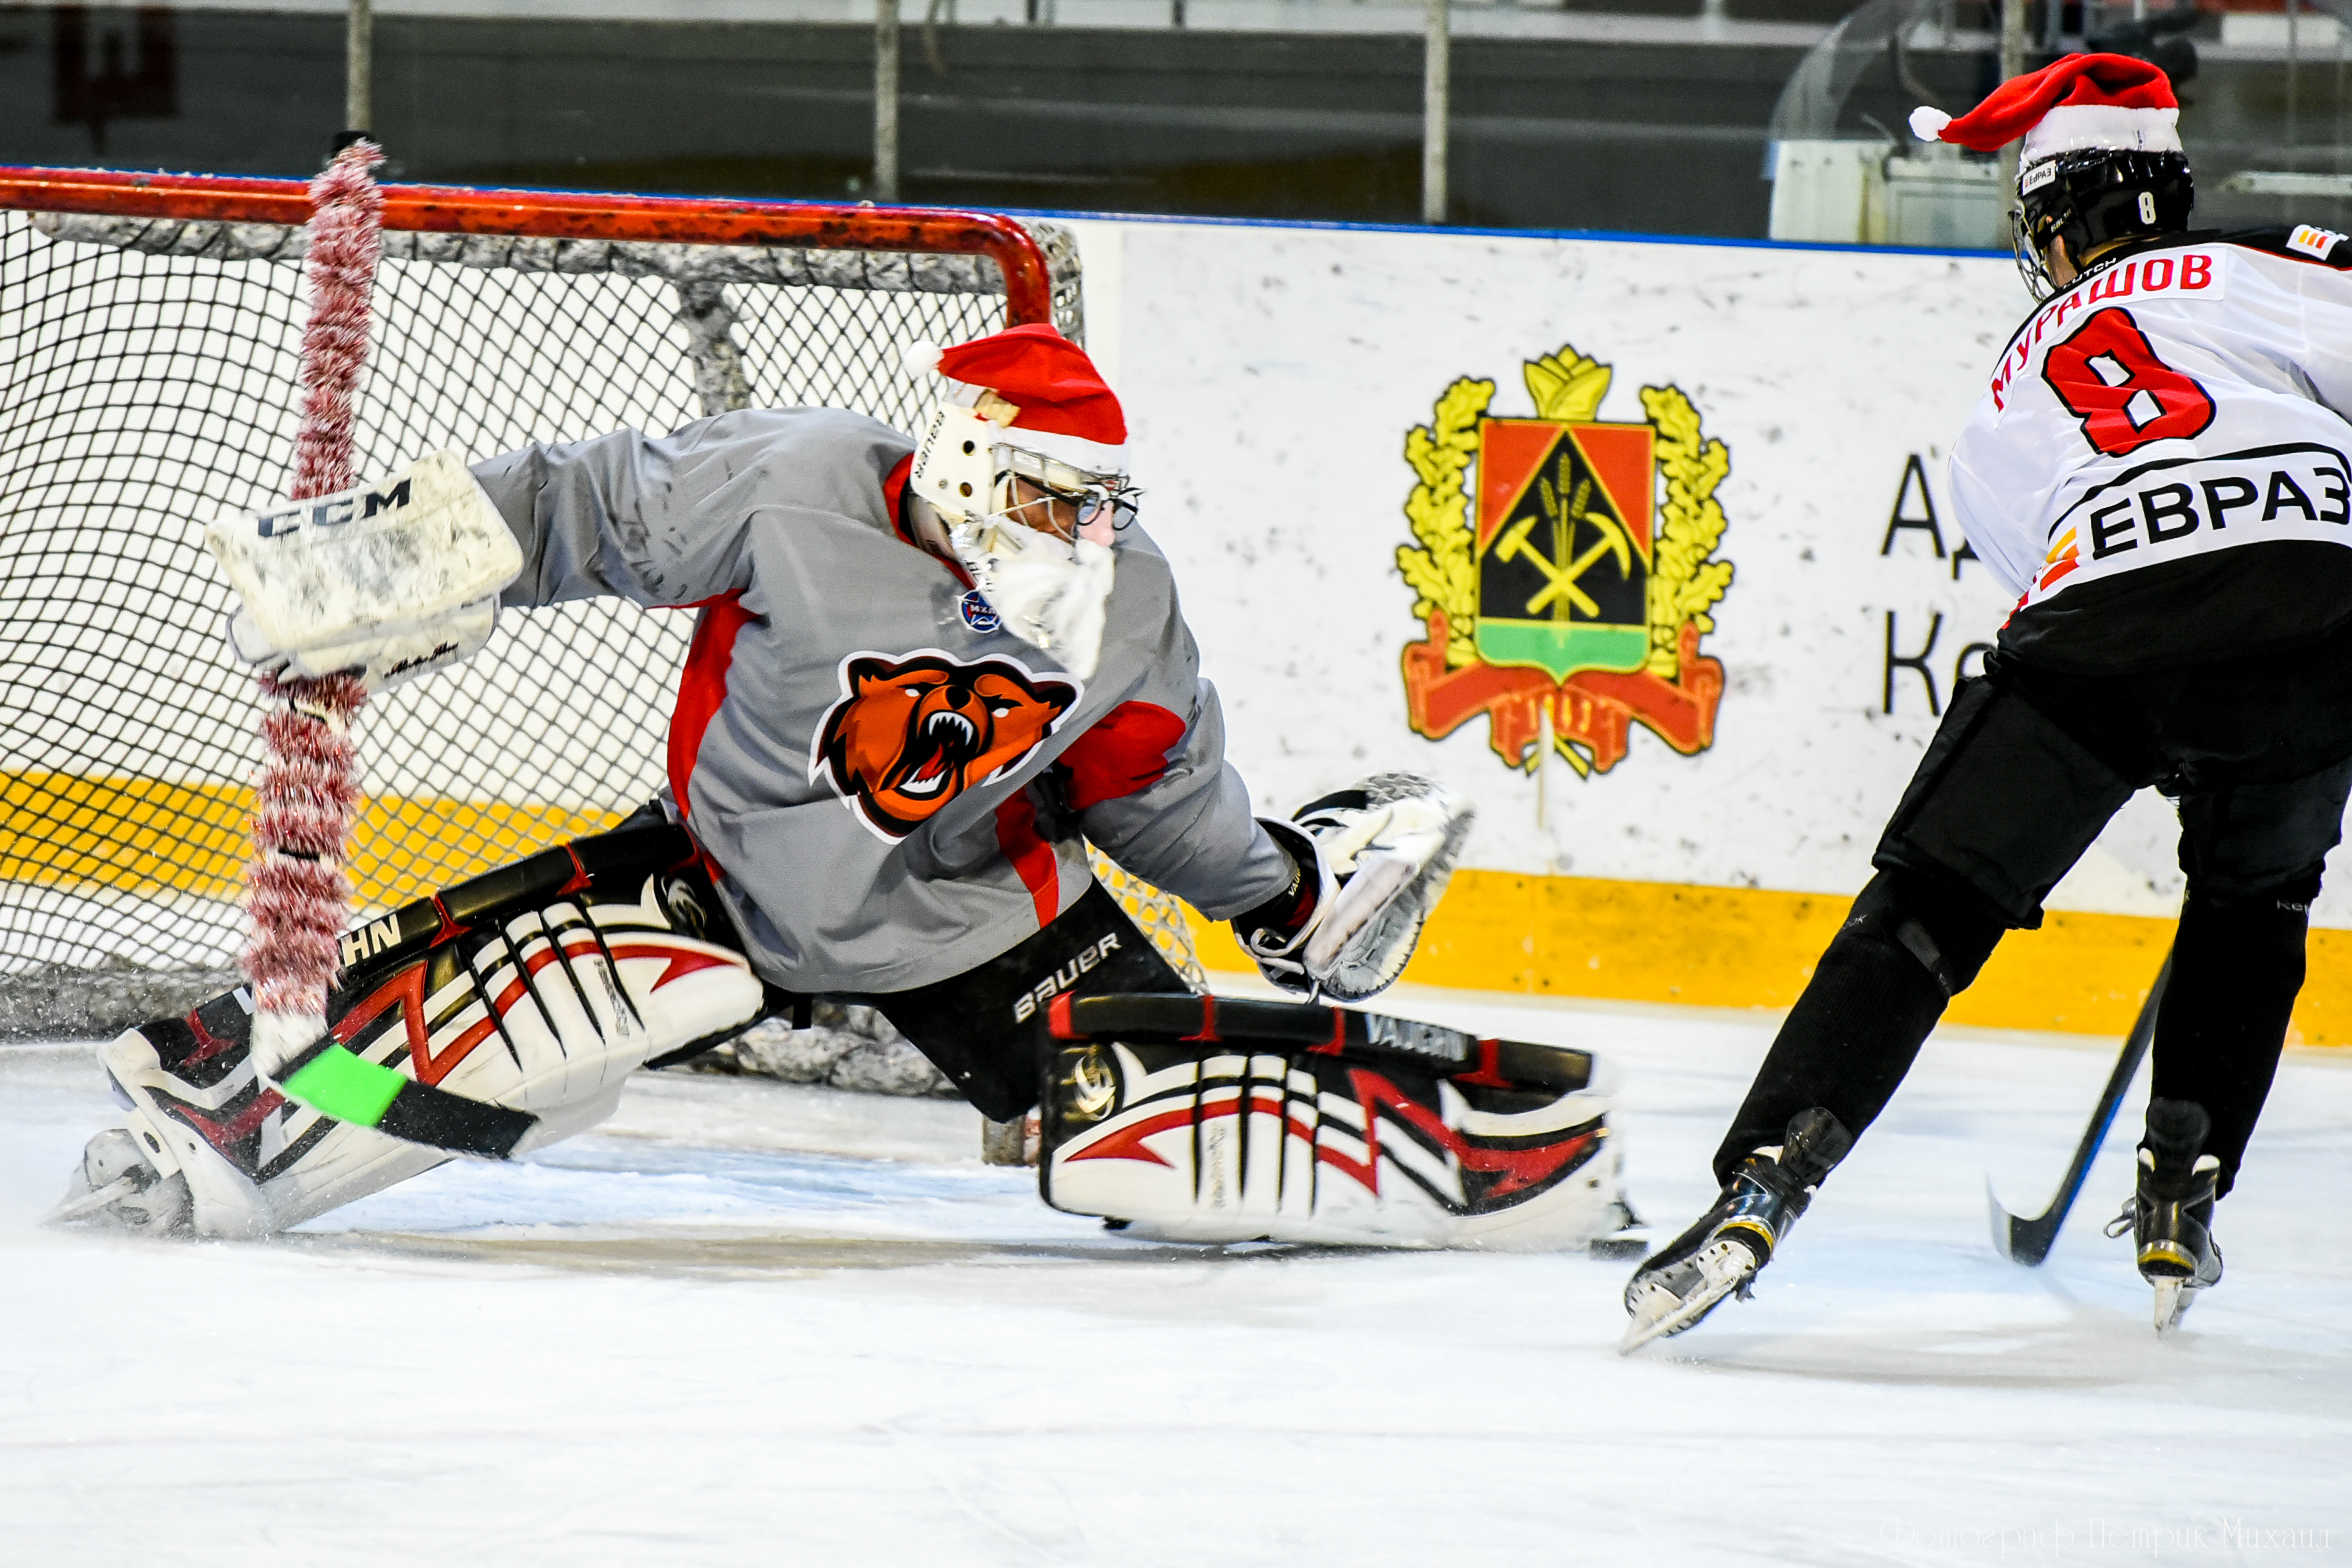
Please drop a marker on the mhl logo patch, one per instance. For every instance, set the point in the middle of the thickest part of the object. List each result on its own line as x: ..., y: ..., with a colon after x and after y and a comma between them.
x: 914, y: 730
x: 978, y: 612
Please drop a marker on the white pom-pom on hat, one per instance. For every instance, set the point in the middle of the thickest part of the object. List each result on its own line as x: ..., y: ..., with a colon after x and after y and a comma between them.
x: 920, y: 358
x: 1927, y: 124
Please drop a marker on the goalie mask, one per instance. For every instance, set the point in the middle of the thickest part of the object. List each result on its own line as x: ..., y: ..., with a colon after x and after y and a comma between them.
x: 2102, y: 160
x: 1025, y: 459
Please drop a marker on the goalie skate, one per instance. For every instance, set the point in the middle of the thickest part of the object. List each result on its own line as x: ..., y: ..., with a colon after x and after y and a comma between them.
x: 1207, y: 1120
x: 119, y: 1182
x: 500, y: 1016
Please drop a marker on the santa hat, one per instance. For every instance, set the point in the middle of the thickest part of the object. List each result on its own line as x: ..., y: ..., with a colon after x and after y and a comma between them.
x: 1062, y: 408
x: 2076, y: 103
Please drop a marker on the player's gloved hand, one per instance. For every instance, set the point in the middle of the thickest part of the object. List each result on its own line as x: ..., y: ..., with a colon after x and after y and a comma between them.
x: 392, y: 579
x: 1375, y: 859
x: 383, y: 660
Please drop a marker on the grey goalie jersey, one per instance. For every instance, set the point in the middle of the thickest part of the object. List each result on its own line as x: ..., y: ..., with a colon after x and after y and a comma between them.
x: 894, y: 787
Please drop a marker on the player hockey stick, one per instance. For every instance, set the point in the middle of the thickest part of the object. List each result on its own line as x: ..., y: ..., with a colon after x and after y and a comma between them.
x: 2027, y: 1242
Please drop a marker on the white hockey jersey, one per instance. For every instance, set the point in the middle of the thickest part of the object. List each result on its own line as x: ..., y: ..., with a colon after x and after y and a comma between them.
x: 2144, y: 426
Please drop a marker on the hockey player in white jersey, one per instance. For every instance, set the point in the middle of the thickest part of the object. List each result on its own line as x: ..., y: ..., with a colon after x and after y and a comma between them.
x: 2159, y: 469
x: 925, y: 674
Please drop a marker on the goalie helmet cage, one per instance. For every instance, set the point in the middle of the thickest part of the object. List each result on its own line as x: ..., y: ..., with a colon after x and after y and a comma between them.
x: 150, y: 329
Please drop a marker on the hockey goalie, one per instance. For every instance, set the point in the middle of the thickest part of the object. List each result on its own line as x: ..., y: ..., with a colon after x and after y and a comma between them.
x: 924, y: 674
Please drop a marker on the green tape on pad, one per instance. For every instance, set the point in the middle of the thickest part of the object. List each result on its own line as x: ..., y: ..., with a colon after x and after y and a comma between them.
x: 338, y: 1084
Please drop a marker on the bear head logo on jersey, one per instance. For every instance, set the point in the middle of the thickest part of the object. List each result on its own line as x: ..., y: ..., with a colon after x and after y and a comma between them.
x: 912, y: 731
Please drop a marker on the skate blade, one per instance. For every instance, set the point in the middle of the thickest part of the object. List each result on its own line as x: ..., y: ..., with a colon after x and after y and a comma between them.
x: 90, y: 1203
x: 1722, y: 1267
x: 2172, y: 1299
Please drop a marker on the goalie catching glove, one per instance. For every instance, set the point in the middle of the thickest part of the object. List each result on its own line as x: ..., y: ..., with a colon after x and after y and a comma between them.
x: 1373, y: 860
x: 393, y: 579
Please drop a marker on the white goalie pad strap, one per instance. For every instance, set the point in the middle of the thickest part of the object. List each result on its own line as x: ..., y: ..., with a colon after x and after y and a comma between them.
x: 388, y: 556
x: 1250, y: 1146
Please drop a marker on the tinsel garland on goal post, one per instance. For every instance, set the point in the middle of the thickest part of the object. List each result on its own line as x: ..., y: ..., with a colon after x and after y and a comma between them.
x: 297, y: 895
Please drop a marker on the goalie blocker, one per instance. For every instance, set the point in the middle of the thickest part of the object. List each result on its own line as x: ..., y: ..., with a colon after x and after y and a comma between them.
x: 1202, y: 1119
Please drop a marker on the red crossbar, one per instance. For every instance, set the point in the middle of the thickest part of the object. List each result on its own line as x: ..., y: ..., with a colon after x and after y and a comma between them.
x: 564, y: 215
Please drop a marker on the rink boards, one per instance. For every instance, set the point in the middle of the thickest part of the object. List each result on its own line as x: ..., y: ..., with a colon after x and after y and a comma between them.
x: 1276, y: 375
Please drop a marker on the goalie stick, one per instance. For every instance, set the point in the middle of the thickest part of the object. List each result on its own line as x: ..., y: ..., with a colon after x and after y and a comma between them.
x: 2027, y: 1242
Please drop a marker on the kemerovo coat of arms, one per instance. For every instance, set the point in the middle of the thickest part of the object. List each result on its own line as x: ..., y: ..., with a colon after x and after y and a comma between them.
x: 1564, y: 569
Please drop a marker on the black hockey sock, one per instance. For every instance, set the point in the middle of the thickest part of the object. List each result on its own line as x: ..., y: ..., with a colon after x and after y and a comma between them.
x: 1874, y: 997
x: 2177, y: 1133
x: 2237, y: 964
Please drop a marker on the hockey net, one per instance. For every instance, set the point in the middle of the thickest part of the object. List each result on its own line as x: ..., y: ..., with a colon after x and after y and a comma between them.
x: 149, y: 335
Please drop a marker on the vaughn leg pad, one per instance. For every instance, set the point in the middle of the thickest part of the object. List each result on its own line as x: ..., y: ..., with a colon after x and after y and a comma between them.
x: 1201, y: 1120
x: 254, y: 1161
x: 508, y: 1012
x: 497, y: 1018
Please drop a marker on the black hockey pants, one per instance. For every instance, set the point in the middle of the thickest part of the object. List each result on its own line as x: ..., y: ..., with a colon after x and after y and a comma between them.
x: 988, y: 1028
x: 2026, y: 769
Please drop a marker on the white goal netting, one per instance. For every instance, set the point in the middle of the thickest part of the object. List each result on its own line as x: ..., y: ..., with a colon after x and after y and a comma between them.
x: 147, y: 375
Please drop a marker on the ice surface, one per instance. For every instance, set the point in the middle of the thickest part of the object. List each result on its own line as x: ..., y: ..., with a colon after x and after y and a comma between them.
x: 752, y: 1323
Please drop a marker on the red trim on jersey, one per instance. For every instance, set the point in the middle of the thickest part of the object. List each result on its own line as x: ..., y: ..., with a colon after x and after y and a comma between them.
x: 702, y: 685
x: 1125, y: 753
x: 1032, y: 857
x: 893, y: 498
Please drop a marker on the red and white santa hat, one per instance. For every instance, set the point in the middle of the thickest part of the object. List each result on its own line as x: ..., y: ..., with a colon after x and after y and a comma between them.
x: 2076, y: 103
x: 1065, y: 411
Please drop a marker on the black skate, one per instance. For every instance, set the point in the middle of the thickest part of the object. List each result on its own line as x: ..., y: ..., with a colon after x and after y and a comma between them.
x: 1732, y: 1241
x: 2170, y: 1216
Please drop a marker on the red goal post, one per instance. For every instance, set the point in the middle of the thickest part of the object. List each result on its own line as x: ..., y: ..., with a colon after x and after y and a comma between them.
x: 149, y: 327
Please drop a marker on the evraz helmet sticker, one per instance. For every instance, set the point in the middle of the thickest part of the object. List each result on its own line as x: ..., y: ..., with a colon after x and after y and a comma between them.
x: 912, y: 731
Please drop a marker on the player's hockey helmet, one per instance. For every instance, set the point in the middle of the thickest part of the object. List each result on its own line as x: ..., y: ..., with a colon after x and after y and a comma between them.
x: 2102, y: 157
x: 1022, y: 404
